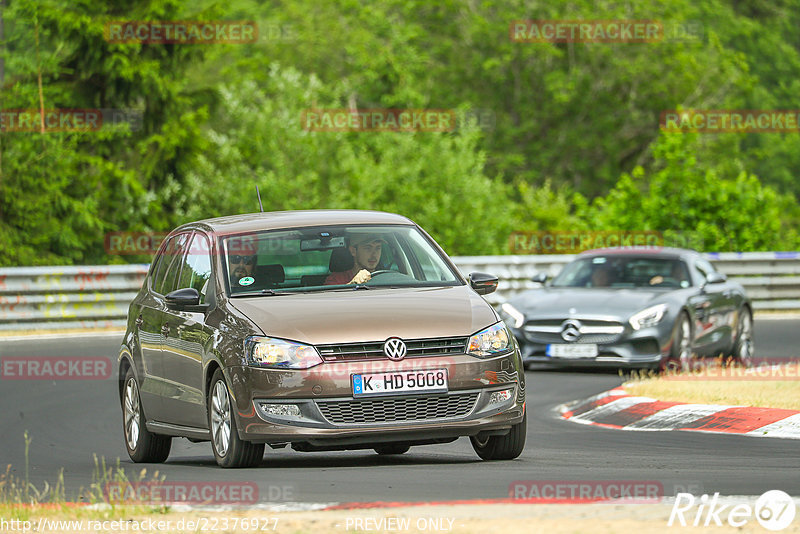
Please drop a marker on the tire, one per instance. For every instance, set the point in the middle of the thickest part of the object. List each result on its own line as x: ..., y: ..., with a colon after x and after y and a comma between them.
x: 505, y: 447
x: 229, y: 449
x: 392, y: 448
x: 143, y: 446
x: 680, y: 355
x: 743, y: 347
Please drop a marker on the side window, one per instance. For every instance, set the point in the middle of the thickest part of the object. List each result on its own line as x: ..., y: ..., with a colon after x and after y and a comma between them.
x: 170, y: 263
x: 161, y: 262
x: 432, y: 268
x: 197, y: 269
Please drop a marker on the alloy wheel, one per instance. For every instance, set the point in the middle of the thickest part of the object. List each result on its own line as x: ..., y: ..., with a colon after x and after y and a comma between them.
x: 745, y: 352
x: 132, y: 413
x: 221, y: 418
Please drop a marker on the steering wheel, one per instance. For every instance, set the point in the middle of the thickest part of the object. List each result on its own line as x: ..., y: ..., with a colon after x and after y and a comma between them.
x: 373, y: 274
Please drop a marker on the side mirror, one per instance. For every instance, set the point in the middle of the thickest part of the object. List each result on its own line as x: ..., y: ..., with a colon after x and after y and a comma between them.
x: 540, y: 278
x: 483, y: 283
x: 715, y: 278
x: 187, y: 299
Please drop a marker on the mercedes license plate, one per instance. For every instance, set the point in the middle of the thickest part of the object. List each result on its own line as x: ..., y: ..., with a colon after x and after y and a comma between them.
x: 572, y: 350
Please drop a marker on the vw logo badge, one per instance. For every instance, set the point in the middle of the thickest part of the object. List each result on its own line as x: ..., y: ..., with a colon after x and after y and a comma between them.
x: 394, y: 348
x: 570, y: 330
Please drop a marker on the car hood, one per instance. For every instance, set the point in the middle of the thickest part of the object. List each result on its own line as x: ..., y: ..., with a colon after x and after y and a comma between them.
x: 555, y: 302
x: 369, y: 315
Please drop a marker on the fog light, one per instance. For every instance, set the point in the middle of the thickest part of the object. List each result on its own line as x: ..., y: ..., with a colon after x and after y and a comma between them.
x: 500, y: 396
x: 281, y: 410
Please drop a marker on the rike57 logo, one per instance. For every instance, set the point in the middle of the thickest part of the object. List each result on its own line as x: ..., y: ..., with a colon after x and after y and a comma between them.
x: 774, y: 510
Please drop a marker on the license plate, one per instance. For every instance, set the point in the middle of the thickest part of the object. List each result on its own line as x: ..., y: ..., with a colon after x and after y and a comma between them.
x: 573, y: 350
x: 428, y: 381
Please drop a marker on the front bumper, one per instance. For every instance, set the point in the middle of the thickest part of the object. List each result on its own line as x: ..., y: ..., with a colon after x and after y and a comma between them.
x: 644, y: 348
x: 329, y: 415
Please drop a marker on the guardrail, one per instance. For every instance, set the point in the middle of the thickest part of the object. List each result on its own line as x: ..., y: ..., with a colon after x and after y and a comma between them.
x: 771, y: 279
x: 52, y: 298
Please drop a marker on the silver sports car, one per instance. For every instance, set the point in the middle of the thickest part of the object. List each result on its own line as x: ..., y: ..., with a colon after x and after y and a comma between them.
x: 633, y: 308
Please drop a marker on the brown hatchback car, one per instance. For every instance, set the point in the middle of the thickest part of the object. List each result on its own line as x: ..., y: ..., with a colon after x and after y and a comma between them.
x: 326, y: 330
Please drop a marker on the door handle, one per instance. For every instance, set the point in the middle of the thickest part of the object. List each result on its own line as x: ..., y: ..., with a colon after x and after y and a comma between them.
x: 139, y: 321
x: 165, y: 329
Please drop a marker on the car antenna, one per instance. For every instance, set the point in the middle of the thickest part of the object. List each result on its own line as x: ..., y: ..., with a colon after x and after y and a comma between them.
x: 258, y: 194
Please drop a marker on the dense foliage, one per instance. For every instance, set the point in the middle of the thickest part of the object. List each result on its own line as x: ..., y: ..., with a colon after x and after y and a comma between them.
x: 572, y: 140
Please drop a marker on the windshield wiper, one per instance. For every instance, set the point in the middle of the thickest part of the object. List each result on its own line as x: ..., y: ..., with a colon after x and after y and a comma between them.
x: 262, y: 293
x: 360, y: 286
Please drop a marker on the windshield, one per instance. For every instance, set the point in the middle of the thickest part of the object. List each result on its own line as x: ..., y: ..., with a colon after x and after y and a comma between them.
x: 623, y: 271
x: 333, y: 258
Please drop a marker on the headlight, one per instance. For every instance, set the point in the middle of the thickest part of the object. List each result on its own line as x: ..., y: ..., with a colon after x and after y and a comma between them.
x: 281, y: 354
x: 516, y: 319
x: 648, y: 317
x: 490, y: 341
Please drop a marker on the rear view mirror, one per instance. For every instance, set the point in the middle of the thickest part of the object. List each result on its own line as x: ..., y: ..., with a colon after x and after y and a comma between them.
x: 187, y: 299
x: 540, y: 278
x: 715, y: 278
x: 324, y: 243
x: 483, y: 283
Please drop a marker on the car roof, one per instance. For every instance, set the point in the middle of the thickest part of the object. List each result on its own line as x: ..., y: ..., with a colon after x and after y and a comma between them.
x: 660, y: 252
x: 275, y: 220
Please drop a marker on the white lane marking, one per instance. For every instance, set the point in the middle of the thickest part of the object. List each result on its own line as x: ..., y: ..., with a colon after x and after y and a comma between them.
x: 609, y: 409
x: 676, y: 416
x: 114, y: 333
x: 785, y: 428
x: 268, y: 506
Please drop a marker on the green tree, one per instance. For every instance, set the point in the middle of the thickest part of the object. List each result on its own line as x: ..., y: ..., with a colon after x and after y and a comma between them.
x: 700, y: 206
x: 436, y: 179
x: 61, y: 192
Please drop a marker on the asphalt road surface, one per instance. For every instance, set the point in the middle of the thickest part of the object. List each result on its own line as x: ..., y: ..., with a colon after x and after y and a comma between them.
x: 70, y: 423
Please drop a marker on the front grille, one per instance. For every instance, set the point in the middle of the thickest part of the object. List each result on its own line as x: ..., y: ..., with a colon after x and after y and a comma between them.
x: 545, y: 331
x: 549, y: 323
x: 374, y: 350
x: 548, y: 337
x: 398, y: 410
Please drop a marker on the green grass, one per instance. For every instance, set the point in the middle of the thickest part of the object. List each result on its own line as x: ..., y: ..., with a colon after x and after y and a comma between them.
x: 21, y: 499
x: 722, y: 384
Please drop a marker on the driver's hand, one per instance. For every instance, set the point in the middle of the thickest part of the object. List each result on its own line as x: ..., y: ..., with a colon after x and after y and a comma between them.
x: 657, y: 279
x: 361, y: 277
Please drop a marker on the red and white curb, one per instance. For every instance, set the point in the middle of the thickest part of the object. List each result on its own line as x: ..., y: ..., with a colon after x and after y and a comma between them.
x: 617, y: 409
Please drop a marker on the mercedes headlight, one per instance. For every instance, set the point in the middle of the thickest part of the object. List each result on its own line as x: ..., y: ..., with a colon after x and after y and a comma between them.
x: 511, y: 315
x: 269, y: 352
x: 490, y: 341
x: 648, y: 317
